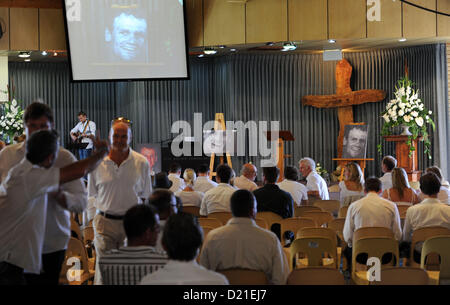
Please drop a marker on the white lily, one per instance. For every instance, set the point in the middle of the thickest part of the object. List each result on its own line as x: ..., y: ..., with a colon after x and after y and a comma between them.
x: 419, y: 121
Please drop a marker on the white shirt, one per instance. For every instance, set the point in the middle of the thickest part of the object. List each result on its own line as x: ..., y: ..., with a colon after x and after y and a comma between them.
x: 430, y: 212
x: 297, y: 190
x: 90, y: 130
x: 314, y: 182
x: 243, y: 244
x: 443, y: 195
x: 345, y: 192
x: 184, y: 273
x: 190, y: 198
x: 386, y: 181
x: 372, y: 211
x: 204, y: 184
x: 217, y: 199
x: 23, y: 210
x: 57, y: 231
x: 243, y: 183
x: 178, y: 184
x: 118, y: 188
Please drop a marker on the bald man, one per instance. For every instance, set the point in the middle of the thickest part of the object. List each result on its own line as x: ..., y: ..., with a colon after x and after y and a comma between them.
x: 247, y: 178
x: 121, y: 181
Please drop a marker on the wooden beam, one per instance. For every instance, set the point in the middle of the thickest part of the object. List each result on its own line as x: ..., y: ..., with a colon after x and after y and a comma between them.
x: 31, y: 3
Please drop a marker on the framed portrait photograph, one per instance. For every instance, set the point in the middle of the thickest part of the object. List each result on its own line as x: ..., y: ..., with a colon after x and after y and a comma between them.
x: 355, y: 141
x: 152, y: 152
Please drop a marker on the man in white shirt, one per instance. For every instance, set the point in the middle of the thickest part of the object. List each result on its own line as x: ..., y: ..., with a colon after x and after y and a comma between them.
x: 246, y: 180
x: 23, y: 202
x: 371, y: 211
x: 182, y: 239
x: 39, y: 116
x: 243, y: 244
x: 84, y: 132
x: 218, y: 198
x: 174, y: 176
x: 430, y: 212
x: 387, y: 165
x: 121, y: 181
x: 444, y: 192
x: 128, y: 265
x: 297, y: 190
x: 316, y: 185
x: 203, y: 183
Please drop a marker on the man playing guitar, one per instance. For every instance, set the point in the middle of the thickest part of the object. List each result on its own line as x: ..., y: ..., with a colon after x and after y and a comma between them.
x: 83, y: 133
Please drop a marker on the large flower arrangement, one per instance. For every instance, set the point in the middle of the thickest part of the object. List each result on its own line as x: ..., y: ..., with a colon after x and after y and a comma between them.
x: 11, y: 122
x: 408, y: 110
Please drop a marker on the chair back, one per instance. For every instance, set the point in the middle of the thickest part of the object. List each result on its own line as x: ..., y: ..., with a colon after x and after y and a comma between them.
x: 270, y: 218
x: 75, y: 229
x: 245, y: 277
x: 88, y: 234
x: 402, y: 209
x: 320, y: 218
x: 338, y: 226
x: 334, y: 188
x: 402, y: 276
x: 350, y: 199
x: 315, y: 249
x: 223, y: 217
x: 76, y: 249
x: 343, y: 212
x: 261, y: 222
x: 193, y: 210
x: 422, y: 234
x: 330, y: 206
x: 372, y: 232
x: 315, y: 276
x: 318, y: 232
x: 298, y: 211
x: 294, y: 224
x: 209, y: 222
x: 441, y: 246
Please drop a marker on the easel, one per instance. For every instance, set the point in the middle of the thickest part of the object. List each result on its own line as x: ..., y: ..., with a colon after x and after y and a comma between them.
x: 219, y: 124
x: 283, y: 135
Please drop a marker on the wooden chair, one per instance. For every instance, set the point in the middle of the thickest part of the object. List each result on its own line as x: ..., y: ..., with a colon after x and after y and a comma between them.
x: 245, y: 277
x: 88, y: 238
x: 222, y: 216
x: 365, y: 232
x: 193, y: 210
x: 441, y: 246
x: 334, y: 188
x: 402, y: 276
x: 270, y: 218
x: 350, y: 199
x: 325, y: 233
x: 321, y: 218
x: 330, y: 206
x: 402, y: 210
x: 422, y: 234
x: 343, y: 212
x: 294, y: 224
x: 75, y: 229
x: 373, y: 247
x: 209, y: 222
x: 315, y: 276
x: 261, y: 222
x: 298, y: 211
x: 338, y: 226
x: 314, y: 248
x: 75, y: 249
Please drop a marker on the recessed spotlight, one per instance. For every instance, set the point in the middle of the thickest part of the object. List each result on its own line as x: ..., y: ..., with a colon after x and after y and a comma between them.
x: 222, y: 46
x: 209, y: 51
x: 331, y: 41
x: 27, y: 60
x: 55, y: 54
x: 269, y: 44
x: 233, y: 50
x: 24, y: 54
x: 289, y: 47
x: 201, y: 55
x: 44, y: 53
x: 402, y: 39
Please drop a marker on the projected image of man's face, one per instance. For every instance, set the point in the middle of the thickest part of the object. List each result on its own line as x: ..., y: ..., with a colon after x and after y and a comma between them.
x: 129, y: 36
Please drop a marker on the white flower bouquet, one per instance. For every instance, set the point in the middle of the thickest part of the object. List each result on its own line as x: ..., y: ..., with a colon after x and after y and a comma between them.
x: 11, y: 119
x: 408, y: 110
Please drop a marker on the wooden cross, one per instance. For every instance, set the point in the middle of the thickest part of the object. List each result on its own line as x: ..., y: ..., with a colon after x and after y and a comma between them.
x: 344, y: 99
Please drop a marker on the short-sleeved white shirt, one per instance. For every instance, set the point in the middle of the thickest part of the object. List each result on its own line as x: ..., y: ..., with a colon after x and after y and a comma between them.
x: 204, y: 184
x: 90, y: 130
x: 314, y: 182
x: 297, y: 190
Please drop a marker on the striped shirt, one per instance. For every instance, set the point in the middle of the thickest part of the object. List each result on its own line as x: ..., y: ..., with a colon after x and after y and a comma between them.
x: 128, y: 265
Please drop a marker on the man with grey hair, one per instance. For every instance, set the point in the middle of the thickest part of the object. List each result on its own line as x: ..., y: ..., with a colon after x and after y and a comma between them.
x: 316, y: 185
x: 246, y: 180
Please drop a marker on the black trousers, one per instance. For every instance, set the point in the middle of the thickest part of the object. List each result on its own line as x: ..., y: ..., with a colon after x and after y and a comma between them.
x: 52, y: 264
x: 11, y: 274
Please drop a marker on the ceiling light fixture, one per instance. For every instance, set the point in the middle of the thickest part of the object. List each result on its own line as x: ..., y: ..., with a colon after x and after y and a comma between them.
x: 44, y: 53
x: 24, y: 54
x: 289, y: 47
x: 269, y: 44
x: 332, y: 41
x: 222, y: 46
x: 210, y: 51
x: 27, y: 60
x: 201, y: 55
x: 55, y: 54
x: 402, y: 39
x: 233, y: 50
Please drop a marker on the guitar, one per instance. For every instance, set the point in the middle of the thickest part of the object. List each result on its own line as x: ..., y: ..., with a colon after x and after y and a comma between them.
x: 79, y: 136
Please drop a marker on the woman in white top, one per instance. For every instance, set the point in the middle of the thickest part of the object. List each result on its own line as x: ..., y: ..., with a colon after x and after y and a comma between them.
x: 188, y: 196
x: 401, y: 192
x: 352, y: 186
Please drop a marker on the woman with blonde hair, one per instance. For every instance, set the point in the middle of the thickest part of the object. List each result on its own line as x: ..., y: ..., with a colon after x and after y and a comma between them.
x: 401, y: 192
x: 188, y: 196
x: 352, y: 187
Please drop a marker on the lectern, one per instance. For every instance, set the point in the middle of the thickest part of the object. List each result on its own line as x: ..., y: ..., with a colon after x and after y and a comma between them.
x: 409, y: 163
x: 283, y: 135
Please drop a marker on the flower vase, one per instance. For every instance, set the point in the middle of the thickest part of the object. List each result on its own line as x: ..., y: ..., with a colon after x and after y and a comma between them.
x: 405, y: 131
